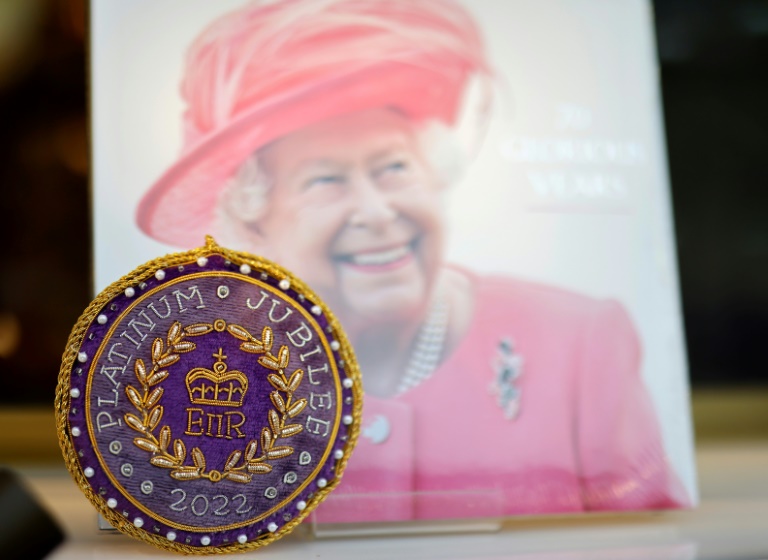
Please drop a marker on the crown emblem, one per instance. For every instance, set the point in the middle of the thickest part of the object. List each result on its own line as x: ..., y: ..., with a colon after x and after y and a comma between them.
x: 217, y: 387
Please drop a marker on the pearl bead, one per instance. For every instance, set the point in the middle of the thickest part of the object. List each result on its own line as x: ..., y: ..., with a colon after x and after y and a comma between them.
x: 301, y: 505
x: 112, y: 503
x: 245, y: 269
x: 101, y: 319
x: 335, y: 345
x: 76, y: 431
x: 338, y: 454
x: 202, y: 261
x: 89, y: 472
x: 138, y: 522
x: 74, y: 393
x: 130, y: 292
x: 347, y: 419
x: 82, y: 357
x: 160, y: 275
x: 316, y: 310
x: 272, y: 527
x: 171, y: 536
x: 347, y: 383
x: 242, y: 539
x: 322, y: 483
x: 205, y: 541
x: 284, y: 284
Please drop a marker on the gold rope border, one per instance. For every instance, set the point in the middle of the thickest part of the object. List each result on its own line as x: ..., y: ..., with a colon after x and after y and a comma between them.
x: 144, y: 272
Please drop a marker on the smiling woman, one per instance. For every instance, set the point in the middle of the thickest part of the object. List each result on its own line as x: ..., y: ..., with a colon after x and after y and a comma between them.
x: 310, y: 140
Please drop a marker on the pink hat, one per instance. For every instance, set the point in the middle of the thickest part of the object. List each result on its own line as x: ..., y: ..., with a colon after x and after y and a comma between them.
x: 269, y: 69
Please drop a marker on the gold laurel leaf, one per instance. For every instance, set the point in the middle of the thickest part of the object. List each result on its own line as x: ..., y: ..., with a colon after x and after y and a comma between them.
x: 268, y: 362
x: 154, y: 396
x: 141, y: 371
x: 282, y: 357
x: 157, y: 377
x: 278, y: 401
x: 250, y: 449
x: 233, y: 458
x: 165, y: 437
x: 274, y: 422
x: 259, y: 468
x: 185, y: 473
x: 134, y: 423
x: 291, y: 430
x: 279, y: 452
x: 166, y: 361
x: 133, y: 396
x: 180, y: 450
x: 198, y: 329
x: 239, y: 477
x: 266, y: 439
x: 155, y: 416
x: 157, y: 348
x: 239, y: 332
x: 297, y: 407
x: 198, y: 458
x: 162, y: 461
x: 146, y: 445
x: 266, y: 338
x: 173, y: 333
x: 184, y: 346
x: 277, y: 382
x: 252, y: 347
x: 295, y: 380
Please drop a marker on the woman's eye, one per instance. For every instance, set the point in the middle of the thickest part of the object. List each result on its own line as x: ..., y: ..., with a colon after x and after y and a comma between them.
x: 393, y: 167
x: 323, y: 180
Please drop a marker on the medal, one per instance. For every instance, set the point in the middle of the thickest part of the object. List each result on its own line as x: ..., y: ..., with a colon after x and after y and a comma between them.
x: 207, y: 402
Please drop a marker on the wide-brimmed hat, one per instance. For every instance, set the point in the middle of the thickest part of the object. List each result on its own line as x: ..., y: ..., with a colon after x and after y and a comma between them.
x: 269, y: 69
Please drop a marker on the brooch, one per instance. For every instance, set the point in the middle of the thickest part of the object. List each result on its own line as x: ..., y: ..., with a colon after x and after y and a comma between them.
x: 508, y: 366
x: 207, y: 402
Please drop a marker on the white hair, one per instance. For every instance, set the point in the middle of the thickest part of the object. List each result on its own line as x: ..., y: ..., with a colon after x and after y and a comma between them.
x: 244, y: 198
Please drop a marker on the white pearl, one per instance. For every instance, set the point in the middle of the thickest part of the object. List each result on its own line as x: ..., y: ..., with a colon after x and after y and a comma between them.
x: 322, y: 483
x: 202, y: 261
x: 284, y: 284
x: 130, y: 292
x: 112, y: 503
x: 301, y: 505
x: 82, y: 357
x: 74, y: 393
x: 101, y: 319
x: 347, y: 419
x: 338, y: 454
x: 89, y: 472
x: 205, y: 541
x: 272, y: 527
x: 316, y: 310
x: 347, y: 383
x: 171, y: 536
x: 76, y: 431
x: 138, y: 522
x: 242, y: 539
x: 160, y: 275
x: 335, y: 345
x: 245, y: 269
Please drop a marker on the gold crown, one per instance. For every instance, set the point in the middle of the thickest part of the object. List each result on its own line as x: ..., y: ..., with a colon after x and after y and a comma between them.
x: 218, y: 387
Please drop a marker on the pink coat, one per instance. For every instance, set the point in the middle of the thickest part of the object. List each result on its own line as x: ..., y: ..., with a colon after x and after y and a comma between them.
x: 586, y: 435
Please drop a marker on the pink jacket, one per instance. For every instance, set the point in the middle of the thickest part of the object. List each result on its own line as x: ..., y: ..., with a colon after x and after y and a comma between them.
x: 585, y: 437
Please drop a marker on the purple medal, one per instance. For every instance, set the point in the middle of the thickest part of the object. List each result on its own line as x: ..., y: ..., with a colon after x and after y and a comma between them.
x: 207, y: 402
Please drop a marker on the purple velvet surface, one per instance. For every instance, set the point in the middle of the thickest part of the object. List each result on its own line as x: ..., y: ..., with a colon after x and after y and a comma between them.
x: 175, y: 402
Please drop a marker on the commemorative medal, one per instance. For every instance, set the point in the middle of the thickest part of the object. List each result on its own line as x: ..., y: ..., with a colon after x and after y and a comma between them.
x: 207, y: 402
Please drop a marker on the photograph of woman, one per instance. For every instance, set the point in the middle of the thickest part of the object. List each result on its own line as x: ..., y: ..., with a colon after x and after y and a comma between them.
x: 322, y: 135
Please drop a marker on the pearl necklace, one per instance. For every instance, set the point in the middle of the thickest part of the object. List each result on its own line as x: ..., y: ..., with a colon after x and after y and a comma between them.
x: 428, y: 348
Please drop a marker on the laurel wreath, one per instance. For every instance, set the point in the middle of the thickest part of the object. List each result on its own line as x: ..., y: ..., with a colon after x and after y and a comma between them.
x: 241, y: 464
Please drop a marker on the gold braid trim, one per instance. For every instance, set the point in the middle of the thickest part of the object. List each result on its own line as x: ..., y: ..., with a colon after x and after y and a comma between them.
x: 62, y: 400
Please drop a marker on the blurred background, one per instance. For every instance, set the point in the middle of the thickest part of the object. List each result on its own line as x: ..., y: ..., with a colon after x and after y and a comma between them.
x: 713, y: 60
